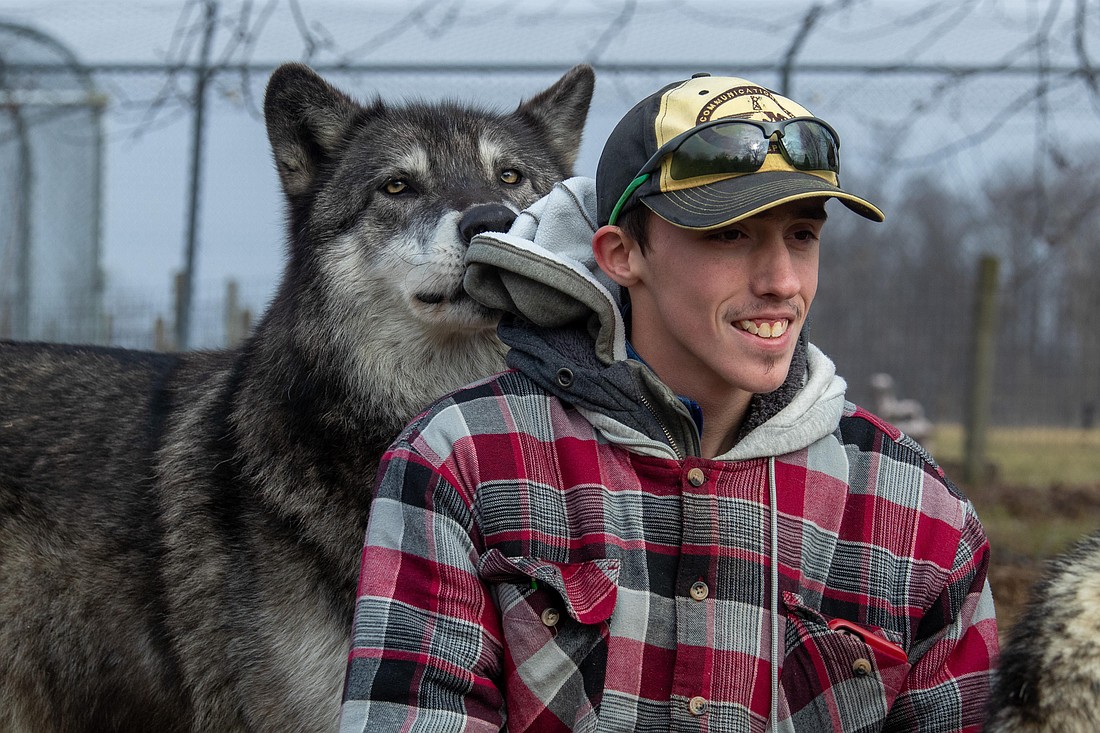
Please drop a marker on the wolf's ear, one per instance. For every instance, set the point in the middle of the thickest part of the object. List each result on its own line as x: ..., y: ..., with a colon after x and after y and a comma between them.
x: 307, y: 118
x: 561, y: 111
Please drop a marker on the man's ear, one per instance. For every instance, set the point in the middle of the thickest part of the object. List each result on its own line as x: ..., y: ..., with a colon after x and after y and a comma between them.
x: 617, y: 254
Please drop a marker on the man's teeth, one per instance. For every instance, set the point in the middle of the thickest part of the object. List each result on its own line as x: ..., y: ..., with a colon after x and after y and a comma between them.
x: 764, y: 330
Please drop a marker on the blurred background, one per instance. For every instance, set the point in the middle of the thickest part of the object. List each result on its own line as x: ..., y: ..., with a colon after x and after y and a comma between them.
x: 139, y: 205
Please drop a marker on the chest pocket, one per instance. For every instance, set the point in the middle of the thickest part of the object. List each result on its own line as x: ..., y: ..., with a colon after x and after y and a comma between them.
x: 555, y: 621
x: 844, y: 675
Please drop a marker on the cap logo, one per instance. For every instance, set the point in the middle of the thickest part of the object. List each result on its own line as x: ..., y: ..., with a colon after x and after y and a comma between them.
x: 755, y: 93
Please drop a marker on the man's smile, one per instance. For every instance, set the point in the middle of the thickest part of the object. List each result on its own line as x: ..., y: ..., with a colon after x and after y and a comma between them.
x: 764, y: 329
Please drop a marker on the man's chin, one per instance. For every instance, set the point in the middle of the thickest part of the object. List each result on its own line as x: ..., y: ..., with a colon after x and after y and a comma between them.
x: 774, y: 374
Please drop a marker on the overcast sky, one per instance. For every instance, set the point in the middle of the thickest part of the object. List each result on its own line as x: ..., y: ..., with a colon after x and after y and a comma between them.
x: 241, y: 218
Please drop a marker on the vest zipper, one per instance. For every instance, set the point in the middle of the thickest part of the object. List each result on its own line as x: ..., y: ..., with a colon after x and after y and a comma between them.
x: 668, y: 433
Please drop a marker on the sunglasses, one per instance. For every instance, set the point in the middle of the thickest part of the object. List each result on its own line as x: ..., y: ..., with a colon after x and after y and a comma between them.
x: 728, y: 145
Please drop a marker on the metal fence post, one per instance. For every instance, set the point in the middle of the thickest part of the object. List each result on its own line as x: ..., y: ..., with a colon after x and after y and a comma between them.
x: 202, y: 79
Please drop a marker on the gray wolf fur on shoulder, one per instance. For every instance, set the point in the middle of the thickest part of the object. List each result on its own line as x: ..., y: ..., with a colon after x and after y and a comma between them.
x: 1049, y: 674
x: 180, y: 533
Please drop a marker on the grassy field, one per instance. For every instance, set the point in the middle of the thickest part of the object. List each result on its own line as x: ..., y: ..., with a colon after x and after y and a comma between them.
x: 1041, y: 495
x: 1040, y: 457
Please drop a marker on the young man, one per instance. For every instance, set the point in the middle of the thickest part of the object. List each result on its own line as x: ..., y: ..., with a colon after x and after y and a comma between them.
x: 666, y: 517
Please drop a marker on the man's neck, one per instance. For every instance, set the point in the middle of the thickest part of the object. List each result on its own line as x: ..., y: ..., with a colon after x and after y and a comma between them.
x: 722, y: 422
x: 721, y: 418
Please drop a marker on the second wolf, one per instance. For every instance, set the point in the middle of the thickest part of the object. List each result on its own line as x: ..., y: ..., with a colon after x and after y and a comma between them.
x: 1049, y: 679
x: 179, y: 534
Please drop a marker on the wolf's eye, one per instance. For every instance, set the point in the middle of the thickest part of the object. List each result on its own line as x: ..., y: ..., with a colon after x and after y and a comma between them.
x: 510, y: 176
x: 395, y: 186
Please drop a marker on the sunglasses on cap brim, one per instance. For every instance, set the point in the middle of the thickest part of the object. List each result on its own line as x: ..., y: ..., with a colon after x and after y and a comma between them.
x: 734, y: 145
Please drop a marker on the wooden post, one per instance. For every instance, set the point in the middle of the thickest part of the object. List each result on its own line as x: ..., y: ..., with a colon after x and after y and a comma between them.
x: 161, y: 341
x: 166, y: 341
x: 246, y: 322
x: 981, y: 374
x: 231, y: 317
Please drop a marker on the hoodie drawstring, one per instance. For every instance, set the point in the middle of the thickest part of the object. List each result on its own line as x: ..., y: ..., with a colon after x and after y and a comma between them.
x: 774, y: 552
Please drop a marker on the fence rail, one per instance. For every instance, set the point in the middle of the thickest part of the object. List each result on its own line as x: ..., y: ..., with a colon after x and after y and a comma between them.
x: 969, y: 160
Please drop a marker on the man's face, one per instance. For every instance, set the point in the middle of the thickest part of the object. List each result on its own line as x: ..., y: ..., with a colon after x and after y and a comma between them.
x: 717, y: 314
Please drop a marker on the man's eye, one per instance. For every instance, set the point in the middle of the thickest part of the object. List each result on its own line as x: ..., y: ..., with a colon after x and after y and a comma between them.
x: 728, y: 235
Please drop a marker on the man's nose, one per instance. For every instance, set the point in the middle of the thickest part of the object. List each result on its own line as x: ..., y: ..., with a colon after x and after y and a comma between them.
x: 774, y: 271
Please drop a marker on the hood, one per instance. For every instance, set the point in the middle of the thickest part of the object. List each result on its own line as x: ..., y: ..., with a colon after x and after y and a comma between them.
x: 543, y: 270
x: 565, y: 331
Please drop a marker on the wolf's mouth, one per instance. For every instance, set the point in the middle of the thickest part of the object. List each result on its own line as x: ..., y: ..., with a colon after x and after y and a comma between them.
x: 460, y: 310
x: 459, y: 297
x: 437, y: 298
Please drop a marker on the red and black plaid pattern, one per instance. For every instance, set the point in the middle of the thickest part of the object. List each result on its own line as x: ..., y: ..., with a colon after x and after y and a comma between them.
x: 522, y: 571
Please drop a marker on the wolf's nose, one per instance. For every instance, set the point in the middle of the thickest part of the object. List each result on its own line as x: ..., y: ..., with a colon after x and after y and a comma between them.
x: 485, y: 218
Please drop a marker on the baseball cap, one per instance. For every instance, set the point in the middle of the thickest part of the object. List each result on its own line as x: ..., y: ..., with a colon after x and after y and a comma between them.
x: 707, y: 198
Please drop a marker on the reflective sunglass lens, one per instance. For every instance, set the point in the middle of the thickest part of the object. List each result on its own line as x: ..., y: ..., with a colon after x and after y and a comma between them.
x: 741, y: 147
x: 734, y: 148
x: 810, y: 147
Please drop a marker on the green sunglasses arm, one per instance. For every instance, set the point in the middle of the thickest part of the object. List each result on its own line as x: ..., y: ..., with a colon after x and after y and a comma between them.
x: 626, y: 195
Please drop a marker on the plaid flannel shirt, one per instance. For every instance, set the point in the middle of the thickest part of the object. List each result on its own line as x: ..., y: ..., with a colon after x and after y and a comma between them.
x: 523, y: 572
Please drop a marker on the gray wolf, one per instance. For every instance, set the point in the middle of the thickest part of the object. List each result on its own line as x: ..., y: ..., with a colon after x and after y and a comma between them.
x: 1049, y: 679
x: 180, y: 533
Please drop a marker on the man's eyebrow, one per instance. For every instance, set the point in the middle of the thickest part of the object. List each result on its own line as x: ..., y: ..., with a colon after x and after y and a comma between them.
x: 810, y: 211
x: 813, y: 212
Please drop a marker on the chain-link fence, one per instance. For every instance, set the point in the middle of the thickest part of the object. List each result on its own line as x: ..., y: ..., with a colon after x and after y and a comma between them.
x: 50, y: 167
x: 993, y: 158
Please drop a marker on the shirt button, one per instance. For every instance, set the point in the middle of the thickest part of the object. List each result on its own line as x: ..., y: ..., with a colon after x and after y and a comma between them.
x: 696, y: 477
x: 697, y: 705
x: 699, y: 590
x: 550, y: 616
x: 861, y: 667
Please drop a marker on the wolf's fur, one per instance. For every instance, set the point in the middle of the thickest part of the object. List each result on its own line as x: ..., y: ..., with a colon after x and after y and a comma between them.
x: 1049, y: 679
x: 180, y: 533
